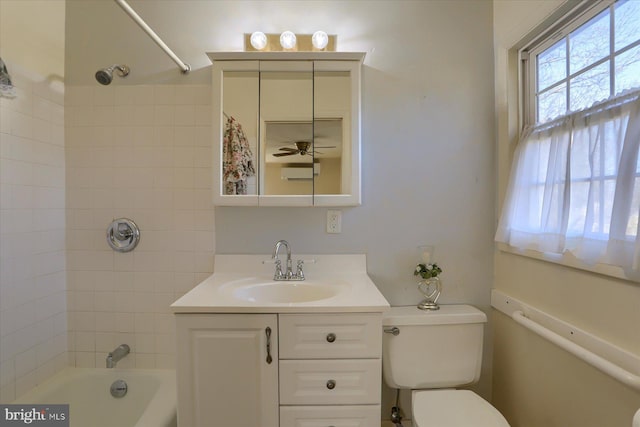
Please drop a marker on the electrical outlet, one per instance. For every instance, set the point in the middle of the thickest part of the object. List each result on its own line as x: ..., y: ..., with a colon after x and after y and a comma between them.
x: 334, y: 222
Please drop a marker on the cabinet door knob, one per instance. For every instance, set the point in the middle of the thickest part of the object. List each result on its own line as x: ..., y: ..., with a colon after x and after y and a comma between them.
x: 331, y: 337
x: 331, y: 384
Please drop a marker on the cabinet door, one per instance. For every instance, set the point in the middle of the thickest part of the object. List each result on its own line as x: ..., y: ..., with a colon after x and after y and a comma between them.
x: 224, y: 372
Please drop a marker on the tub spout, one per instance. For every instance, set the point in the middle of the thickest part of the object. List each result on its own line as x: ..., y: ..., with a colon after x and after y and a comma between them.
x: 121, y: 351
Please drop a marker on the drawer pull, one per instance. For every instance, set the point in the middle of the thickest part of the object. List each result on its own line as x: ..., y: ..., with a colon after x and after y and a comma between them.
x: 393, y: 331
x: 331, y: 384
x: 331, y: 337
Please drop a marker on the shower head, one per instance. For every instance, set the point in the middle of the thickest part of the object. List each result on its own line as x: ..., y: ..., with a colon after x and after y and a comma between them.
x: 105, y: 75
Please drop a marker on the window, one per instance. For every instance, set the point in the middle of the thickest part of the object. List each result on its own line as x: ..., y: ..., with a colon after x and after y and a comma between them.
x: 575, y: 179
x: 593, y: 59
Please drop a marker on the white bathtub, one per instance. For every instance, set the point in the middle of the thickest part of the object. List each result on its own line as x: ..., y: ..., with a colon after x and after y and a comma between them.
x: 149, y: 402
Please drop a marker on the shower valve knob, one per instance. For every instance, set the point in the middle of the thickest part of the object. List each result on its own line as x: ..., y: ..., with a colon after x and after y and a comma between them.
x: 123, y: 235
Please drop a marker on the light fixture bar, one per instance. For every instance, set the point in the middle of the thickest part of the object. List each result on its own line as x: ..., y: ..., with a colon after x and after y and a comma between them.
x: 303, y: 43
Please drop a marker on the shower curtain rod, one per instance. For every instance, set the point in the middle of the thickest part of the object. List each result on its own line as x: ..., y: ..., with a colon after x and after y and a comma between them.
x: 132, y: 13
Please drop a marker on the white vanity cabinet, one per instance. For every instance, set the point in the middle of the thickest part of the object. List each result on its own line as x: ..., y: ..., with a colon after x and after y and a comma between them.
x: 325, y: 370
x: 325, y: 347
x: 227, y: 370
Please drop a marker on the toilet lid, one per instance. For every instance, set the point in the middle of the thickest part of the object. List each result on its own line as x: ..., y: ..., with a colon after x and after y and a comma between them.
x: 454, y: 408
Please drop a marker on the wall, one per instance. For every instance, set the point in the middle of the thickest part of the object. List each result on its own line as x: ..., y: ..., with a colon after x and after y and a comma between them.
x: 33, y: 320
x: 426, y: 131
x: 427, y: 115
x: 141, y: 152
x: 427, y: 144
x: 535, y: 383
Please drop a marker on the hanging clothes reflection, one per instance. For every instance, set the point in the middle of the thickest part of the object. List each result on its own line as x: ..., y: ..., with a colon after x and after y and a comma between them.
x: 237, y: 158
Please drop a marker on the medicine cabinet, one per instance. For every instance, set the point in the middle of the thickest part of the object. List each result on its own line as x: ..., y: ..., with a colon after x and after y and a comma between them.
x: 286, y: 128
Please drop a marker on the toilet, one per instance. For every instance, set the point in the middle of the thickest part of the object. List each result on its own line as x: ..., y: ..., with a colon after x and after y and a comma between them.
x: 432, y: 353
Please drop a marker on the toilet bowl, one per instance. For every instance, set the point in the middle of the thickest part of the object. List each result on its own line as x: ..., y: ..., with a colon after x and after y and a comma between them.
x: 453, y: 408
x: 432, y: 353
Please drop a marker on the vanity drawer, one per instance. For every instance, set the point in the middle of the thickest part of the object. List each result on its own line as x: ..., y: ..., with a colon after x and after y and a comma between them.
x: 329, y: 382
x: 330, y: 416
x: 330, y: 336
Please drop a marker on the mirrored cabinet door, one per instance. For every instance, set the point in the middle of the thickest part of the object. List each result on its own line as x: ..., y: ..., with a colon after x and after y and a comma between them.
x: 286, y: 132
x: 236, y: 95
x: 336, y: 105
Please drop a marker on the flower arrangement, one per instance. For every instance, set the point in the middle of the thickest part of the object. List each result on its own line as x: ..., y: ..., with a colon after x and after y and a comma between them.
x: 427, y: 270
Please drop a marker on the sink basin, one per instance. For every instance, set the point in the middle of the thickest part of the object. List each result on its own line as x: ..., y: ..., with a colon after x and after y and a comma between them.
x: 285, y: 292
x: 244, y: 284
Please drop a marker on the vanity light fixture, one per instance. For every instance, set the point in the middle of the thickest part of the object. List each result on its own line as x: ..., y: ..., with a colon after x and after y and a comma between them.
x: 258, y: 40
x: 320, y: 39
x: 288, y: 40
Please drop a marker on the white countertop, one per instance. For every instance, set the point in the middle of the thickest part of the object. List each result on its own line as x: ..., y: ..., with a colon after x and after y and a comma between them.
x: 343, y: 276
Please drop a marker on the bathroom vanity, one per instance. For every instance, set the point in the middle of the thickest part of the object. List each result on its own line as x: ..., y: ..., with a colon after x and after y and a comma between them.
x: 257, y: 352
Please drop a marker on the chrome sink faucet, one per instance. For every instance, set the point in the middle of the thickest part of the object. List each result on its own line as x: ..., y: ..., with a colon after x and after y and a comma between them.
x: 288, y: 274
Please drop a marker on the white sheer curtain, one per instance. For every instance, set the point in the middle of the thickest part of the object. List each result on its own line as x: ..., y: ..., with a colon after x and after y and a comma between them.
x: 575, y: 186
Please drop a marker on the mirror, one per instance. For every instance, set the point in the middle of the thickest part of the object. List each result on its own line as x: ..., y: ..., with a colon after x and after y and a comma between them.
x: 240, y: 133
x: 303, y: 157
x: 286, y: 128
x: 288, y: 131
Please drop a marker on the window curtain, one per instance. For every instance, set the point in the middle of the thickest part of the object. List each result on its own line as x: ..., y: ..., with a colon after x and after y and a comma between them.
x: 575, y: 186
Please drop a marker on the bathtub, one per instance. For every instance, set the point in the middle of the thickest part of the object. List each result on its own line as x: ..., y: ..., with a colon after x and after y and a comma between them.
x: 149, y: 402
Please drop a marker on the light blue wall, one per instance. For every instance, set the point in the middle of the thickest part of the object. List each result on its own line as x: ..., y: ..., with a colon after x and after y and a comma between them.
x: 427, y: 160
x: 427, y: 156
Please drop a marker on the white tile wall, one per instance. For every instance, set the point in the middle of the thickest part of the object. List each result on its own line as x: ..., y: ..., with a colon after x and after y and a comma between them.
x: 33, y: 309
x: 142, y: 152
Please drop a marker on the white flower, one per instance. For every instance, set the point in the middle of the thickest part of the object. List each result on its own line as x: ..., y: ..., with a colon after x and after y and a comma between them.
x: 429, y: 267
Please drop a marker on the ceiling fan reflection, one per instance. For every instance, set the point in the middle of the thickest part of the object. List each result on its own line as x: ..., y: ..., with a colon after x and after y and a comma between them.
x: 302, y: 147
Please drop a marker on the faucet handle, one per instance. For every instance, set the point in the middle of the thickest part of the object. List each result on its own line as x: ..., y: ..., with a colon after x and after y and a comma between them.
x: 299, y: 270
x: 278, y: 273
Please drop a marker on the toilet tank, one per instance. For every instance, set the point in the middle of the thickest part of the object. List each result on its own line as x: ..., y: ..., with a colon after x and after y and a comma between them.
x: 434, y: 349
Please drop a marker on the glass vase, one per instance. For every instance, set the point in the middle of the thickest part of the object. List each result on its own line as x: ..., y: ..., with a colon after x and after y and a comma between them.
x: 431, y: 288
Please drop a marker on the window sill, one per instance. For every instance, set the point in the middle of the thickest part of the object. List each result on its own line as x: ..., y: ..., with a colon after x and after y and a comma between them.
x: 568, y: 260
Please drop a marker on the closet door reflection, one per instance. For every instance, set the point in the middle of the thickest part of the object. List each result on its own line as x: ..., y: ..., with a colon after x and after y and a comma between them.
x: 240, y: 151
x: 286, y: 130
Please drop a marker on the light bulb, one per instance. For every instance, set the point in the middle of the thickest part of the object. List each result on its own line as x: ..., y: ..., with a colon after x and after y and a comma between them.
x: 288, y: 40
x: 258, y: 40
x: 320, y: 39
